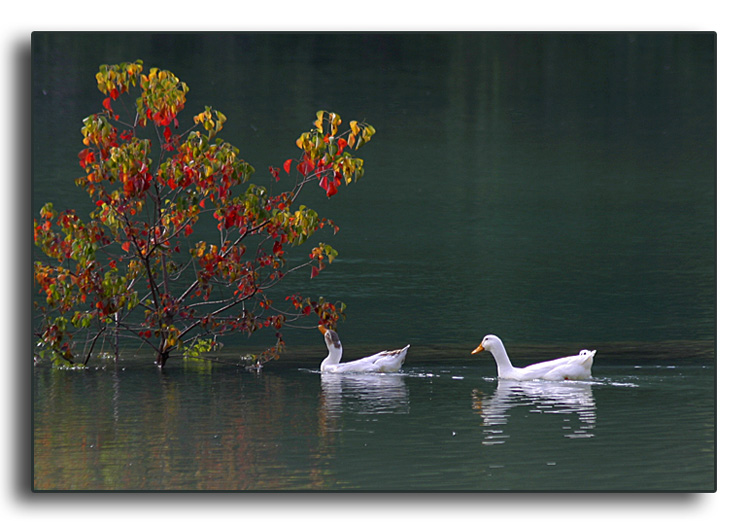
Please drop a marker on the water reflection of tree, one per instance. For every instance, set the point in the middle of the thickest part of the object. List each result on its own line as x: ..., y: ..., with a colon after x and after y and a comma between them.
x: 544, y: 397
x: 209, y: 433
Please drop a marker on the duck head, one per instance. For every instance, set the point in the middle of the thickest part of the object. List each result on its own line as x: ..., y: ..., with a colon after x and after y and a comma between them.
x: 490, y: 343
x: 331, y: 338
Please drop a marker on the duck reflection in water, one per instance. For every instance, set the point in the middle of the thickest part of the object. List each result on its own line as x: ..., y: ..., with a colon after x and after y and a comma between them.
x: 544, y: 397
x: 362, y: 394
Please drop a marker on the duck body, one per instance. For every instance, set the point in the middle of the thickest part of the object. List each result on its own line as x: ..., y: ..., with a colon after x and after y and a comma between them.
x: 561, y: 369
x: 386, y: 361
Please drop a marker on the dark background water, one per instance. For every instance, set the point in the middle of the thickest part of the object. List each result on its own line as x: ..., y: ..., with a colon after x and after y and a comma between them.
x: 549, y: 187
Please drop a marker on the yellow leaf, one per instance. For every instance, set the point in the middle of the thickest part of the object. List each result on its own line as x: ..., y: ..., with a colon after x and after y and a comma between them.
x: 354, y: 128
x: 335, y: 120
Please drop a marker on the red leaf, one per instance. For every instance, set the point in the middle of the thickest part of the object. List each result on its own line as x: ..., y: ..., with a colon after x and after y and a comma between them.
x: 315, y: 271
x: 329, y: 186
x: 167, y: 134
x: 87, y: 157
x: 188, y: 230
x: 287, y: 166
x: 126, y: 246
x: 341, y: 144
x: 107, y: 104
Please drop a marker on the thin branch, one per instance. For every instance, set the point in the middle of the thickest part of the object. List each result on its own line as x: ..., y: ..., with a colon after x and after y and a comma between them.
x: 93, y: 342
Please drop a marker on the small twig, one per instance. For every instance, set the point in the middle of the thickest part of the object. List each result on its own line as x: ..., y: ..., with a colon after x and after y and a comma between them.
x: 91, y: 347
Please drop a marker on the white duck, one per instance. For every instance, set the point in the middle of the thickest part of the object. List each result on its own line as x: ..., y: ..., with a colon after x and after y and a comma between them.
x: 571, y: 367
x: 386, y: 361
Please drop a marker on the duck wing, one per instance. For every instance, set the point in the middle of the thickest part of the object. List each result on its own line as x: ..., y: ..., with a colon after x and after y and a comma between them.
x: 385, y: 361
x: 570, y: 367
x: 390, y: 360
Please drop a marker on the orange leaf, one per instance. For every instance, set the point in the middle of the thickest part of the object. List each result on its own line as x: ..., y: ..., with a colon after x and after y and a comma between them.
x: 126, y: 246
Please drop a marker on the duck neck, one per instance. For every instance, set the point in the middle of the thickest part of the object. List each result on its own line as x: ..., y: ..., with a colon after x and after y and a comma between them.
x: 504, y: 366
x: 334, y: 356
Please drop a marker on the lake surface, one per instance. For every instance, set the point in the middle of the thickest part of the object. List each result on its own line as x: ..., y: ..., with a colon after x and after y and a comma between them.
x: 437, y: 427
x: 556, y: 189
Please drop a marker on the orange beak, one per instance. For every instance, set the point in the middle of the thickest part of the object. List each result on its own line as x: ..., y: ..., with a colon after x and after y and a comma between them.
x: 478, y: 349
x: 322, y: 329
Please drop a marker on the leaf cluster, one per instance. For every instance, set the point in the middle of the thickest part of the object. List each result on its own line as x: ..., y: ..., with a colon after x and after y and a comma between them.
x: 135, y: 271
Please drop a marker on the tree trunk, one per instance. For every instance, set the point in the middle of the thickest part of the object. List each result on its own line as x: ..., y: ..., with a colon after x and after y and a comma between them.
x: 161, y: 358
x: 116, y: 337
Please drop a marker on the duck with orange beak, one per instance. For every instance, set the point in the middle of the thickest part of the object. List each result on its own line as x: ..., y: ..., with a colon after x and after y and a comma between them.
x: 386, y: 361
x: 565, y: 368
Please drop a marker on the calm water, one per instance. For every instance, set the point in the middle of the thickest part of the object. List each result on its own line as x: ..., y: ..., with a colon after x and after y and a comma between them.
x: 449, y: 426
x: 556, y: 189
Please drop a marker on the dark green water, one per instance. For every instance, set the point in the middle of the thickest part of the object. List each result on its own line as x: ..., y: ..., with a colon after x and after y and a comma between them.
x: 445, y: 426
x: 556, y: 189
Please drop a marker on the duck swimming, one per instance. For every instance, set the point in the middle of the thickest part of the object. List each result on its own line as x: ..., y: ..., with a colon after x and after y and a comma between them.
x: 561, y: 369
x: 386, y: 361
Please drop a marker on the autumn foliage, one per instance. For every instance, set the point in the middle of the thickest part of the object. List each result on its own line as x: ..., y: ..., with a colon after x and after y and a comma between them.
x: 133, y: 270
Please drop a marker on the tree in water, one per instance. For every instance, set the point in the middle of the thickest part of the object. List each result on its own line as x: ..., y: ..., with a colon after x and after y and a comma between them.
x: 135, y: 269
